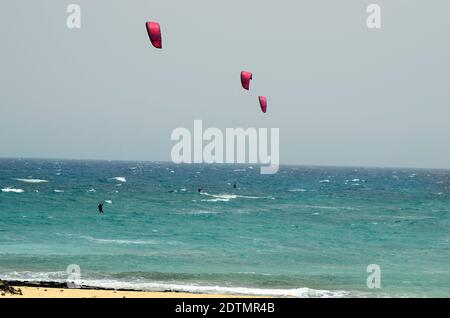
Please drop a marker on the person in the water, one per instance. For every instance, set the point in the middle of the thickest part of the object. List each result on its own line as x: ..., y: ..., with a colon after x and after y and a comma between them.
x: 199, y: 190
x: 234, y: 185
x: 100, y: 207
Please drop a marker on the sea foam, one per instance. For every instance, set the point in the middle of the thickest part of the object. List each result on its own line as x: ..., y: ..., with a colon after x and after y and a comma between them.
x: 31, y: 180
x: 228, y: 197
x: 13, y: 190
x: 120, y: 179
x: 142, y: 285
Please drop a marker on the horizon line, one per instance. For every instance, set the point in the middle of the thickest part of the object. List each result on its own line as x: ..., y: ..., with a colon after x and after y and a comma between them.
x: 258, y: 164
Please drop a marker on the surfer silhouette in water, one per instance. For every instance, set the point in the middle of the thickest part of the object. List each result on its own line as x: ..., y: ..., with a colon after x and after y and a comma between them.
x: 234, y: 186
x: 100, y: 207
x: 199, y: 190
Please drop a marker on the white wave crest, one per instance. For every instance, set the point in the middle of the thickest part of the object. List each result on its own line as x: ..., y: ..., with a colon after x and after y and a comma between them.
x: 13, y: 190
x: 31, y: 180
x: 200, y: 212
x: 117, y: 241
x: 227, y: 197
x: 120, y: 179
x: 219, y: 198
x: 140, y: 285
x: 220, y: 290
x: 108, y: 241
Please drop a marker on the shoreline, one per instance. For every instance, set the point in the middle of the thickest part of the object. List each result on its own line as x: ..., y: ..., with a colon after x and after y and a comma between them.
x: 60, y: 290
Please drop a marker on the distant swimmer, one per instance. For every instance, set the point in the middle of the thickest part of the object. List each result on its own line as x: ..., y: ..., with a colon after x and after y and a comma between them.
x: 100, y: 207
x: 199, y: 190
x: 234, y: 185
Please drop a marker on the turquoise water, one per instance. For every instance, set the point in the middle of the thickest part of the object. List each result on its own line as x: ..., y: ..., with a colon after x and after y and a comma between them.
x: 305, y: 231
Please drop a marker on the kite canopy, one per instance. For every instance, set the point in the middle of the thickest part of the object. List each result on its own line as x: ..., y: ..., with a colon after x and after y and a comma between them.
x: 263, y: 103
x: 246, y: 77
x: 154, y: 33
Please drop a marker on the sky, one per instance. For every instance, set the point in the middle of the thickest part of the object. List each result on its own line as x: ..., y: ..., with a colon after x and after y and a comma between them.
x: 340, y: 93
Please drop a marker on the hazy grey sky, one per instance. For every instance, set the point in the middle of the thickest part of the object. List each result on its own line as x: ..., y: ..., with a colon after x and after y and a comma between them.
x: 340, y: 93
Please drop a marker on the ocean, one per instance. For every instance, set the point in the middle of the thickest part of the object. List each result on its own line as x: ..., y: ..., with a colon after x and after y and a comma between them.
x: 303, y: 232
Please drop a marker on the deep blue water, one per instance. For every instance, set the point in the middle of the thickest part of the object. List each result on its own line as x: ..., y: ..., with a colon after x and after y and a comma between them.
x: 305, y: 231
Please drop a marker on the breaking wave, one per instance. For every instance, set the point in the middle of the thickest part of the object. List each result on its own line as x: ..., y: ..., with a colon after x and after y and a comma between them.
x: 13, y: 190
x: 228, y: 197
x: 120, y: 179
x: 142, y: 285
x: 31, y: 180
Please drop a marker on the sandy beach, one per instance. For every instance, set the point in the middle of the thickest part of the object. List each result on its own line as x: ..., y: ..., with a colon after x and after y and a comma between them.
x: 53, y: 292
x: 44, y: 292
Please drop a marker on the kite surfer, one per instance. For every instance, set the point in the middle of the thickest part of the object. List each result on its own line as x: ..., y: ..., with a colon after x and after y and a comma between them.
x: 100, y: 207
